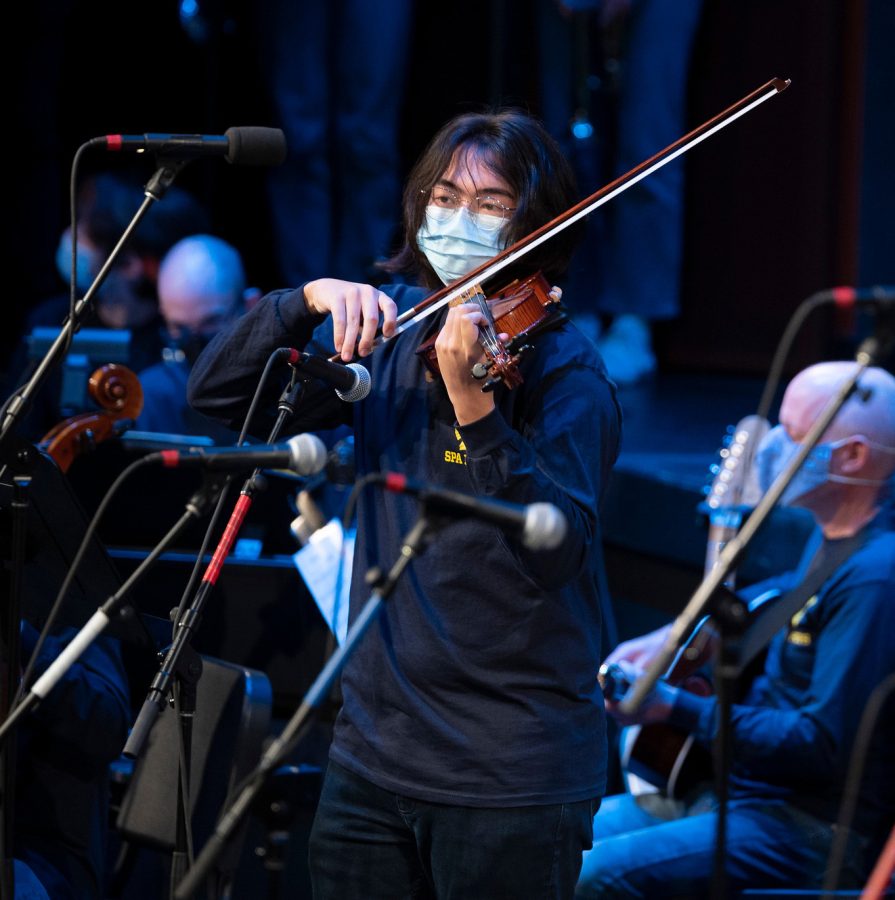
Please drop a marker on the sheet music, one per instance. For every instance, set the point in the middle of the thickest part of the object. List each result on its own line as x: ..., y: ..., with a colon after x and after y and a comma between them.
x: 325, y: 565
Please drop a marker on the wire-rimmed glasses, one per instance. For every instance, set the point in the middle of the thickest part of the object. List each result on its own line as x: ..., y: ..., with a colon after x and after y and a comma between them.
x: 485, y: 210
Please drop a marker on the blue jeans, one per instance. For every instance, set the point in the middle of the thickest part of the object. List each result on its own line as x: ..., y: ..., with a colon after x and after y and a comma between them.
x: 644, y: 848
x: 368, y: 843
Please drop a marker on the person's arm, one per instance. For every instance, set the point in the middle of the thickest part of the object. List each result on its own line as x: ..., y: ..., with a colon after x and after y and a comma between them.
x: 225, y: 377
x: 853, y: 654
x: 88, y: 710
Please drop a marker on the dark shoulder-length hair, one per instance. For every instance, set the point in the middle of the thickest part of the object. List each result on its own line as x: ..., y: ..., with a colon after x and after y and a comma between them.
x: 520, y: 150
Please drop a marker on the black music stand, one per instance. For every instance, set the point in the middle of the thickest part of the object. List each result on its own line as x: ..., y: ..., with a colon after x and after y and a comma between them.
x: 56, y: 523
x: 41, y: 527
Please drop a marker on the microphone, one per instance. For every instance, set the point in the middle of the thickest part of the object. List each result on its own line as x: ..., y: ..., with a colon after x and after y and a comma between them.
x: 846, y: 297
x: 304, y: 454
x: 352, y: 382
x: 541, y: 525
x: 248, y: 146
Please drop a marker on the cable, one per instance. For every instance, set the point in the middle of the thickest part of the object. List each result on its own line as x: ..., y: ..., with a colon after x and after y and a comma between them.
x: 66, y: 584
x: 73, y: 227
x: 783, y: 347
x: 225, y: 491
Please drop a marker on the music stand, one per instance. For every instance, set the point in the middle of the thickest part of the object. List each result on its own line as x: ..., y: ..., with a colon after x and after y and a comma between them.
x: 56, y: 523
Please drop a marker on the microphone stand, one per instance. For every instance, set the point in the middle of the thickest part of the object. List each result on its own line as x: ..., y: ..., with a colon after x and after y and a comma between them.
x: 181, y: 662
x: 414, y: 543
x: 13, y: 411
x: 705, y: 598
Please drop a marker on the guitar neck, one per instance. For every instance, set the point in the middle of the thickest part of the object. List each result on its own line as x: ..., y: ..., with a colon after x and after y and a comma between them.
x: 723, y: 526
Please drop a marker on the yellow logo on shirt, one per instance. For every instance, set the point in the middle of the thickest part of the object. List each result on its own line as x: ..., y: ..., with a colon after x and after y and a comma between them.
x: 457, y: 456
x: 802, y: 638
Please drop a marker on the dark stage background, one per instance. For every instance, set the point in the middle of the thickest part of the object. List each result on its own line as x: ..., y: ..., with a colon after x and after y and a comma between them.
x: 794, y: 198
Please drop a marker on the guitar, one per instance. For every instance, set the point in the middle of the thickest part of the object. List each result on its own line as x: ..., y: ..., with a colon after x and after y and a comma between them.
x: 663, y: 756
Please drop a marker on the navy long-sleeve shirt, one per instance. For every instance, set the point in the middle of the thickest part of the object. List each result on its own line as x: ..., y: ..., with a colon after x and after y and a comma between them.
x: 477, y: 683
x: 793, y: 733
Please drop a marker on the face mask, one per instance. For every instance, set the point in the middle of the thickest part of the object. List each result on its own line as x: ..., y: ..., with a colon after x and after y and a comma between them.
x: 185, y: 348
x: 455, y: 245
x: 776, y: 451
x: 86, y: 266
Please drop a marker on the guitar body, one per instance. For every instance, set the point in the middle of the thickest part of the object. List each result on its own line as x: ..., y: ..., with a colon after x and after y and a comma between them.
x: 666, y: 757
x: 662, y: 755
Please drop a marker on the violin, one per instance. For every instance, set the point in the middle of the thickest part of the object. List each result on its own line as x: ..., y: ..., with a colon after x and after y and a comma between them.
x: 118, y: 393
x: 522, y: 309
x: 501, y: 361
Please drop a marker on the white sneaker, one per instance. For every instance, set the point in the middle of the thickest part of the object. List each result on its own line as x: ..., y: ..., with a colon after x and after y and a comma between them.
x: 627, y: 350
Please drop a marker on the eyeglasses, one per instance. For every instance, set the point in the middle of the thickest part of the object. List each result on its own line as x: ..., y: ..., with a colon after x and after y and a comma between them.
x: 486, y: 211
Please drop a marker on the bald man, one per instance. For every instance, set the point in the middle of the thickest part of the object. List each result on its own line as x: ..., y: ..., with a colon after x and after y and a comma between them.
x: 794, y: 730
x: 201, y: 288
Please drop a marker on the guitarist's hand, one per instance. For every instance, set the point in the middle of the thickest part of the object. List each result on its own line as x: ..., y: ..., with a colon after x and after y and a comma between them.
x: 640, y: 651
x: 656, y: 706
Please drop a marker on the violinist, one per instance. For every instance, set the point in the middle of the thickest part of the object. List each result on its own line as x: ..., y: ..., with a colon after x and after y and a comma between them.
x: 794, y: 730
x: 469, y: 752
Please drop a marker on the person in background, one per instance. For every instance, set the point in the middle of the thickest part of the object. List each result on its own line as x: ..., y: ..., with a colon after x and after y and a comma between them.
x: 794, y: 730
x: 127, y: 299
x: 336, y: 74
x: 634, y: 246
x: 461, y: 764
x: 64, y: 750
x: 201, y: 289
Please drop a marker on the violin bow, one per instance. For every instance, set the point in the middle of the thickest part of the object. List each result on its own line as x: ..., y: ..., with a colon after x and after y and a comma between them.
x: 507, y: 257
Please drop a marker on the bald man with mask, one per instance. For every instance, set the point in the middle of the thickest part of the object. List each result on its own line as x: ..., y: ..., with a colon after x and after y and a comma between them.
x: 202, y: 288
x: 794, y: 729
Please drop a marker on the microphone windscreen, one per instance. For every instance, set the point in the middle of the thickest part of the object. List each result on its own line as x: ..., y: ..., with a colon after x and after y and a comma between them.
x: 256, y: 146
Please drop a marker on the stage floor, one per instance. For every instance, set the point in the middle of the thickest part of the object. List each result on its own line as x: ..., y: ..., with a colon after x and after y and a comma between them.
x: 675, y: 423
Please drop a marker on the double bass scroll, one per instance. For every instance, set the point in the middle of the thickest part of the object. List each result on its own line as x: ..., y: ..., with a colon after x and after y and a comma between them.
x: 118, y: 393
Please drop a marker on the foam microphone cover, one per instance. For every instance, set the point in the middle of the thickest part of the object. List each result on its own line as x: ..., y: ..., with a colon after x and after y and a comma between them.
x: 256, y: 146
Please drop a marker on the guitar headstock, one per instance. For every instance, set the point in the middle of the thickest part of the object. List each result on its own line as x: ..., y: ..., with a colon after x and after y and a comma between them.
x: 733, y: 482
x: 733, y: 487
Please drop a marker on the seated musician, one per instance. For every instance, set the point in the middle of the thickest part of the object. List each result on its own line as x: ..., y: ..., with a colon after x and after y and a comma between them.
x: 794, y: 731
x: 64, y: 748
x: 462, y: 763
x: 201, y: 288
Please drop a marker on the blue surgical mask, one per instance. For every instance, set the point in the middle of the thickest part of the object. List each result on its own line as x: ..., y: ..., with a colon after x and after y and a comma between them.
x: 87, y: 267
x: 776, y: 451
x: 454, y: 244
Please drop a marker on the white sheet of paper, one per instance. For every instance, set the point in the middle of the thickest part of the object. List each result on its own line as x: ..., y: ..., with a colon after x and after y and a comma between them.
x: 318, y: 563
